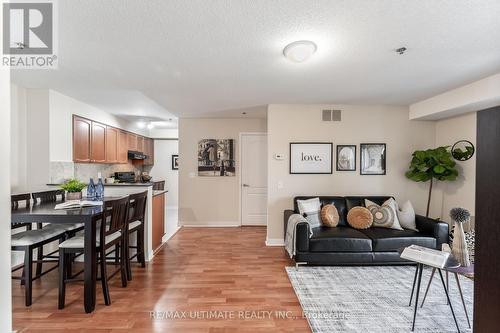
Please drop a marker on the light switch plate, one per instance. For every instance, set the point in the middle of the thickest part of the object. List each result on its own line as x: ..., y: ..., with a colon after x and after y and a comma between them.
x: 279, y: 156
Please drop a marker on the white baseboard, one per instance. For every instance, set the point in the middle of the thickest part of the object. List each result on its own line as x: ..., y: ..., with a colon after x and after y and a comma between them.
x: 165, y: 238
x: 211, y: 225
x: 275, y: 242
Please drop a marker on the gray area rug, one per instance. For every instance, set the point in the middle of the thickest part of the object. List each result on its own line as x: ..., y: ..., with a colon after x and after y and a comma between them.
x: 375, y: 299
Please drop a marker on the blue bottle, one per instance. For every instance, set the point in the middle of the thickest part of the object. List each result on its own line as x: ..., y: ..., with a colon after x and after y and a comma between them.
x: 91, y: 190
x: 99, y: 189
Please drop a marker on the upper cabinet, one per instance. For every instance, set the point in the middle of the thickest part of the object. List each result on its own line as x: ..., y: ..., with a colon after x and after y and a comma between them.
x: 98, y: 143
x: 111, y: 145
x: 94, y: 142
x: 122, y: 146
x: 82, y: 128
x: 132, y: 141
x: 140, y: 143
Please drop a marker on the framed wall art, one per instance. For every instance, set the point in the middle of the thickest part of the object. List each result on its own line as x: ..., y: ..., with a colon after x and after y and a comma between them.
x: 311, y: 157
x: 346, y: 157
x: 373, y: 158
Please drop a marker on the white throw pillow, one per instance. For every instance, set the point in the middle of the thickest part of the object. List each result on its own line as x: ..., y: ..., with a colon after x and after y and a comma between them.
x: 311, y: 209
x: 384, y: 216
x: 406, y: 216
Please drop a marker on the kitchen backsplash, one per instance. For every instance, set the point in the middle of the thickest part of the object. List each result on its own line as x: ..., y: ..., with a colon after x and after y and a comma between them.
x: 61, y: 171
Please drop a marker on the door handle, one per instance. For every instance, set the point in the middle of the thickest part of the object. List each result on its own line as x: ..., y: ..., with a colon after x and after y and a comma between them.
x: 246, y: 185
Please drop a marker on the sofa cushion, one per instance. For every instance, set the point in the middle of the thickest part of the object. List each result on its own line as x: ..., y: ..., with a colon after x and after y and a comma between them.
x: 340, y: 239
x: 338, y: 202
x: 384, y: 239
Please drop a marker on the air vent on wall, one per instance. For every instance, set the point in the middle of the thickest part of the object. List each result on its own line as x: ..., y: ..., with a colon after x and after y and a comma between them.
x: 332, y: 115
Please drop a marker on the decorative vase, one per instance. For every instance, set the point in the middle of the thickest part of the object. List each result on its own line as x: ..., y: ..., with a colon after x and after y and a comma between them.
x: 74, y: 195
x: 459, y: 246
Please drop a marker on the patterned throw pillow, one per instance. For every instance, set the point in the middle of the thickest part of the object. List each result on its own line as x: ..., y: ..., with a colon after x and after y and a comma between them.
x: 329, y: 216
x: 359, y: 218
x: 310, y: 209
x: 384, y: 216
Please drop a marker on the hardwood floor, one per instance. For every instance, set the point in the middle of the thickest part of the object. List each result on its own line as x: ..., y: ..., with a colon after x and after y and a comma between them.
x: 223, y: 270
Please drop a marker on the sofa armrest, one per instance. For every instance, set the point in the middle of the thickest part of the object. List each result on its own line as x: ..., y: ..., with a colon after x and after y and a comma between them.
x: 301, y: 233
x: 435, y: 228
x: 302, y: 237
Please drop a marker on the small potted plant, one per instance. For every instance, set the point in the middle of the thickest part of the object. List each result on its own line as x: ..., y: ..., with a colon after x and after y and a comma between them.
x: 74, y: 188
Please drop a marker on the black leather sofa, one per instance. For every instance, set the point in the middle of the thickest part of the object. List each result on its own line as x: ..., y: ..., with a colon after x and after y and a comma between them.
x: 344, y: 245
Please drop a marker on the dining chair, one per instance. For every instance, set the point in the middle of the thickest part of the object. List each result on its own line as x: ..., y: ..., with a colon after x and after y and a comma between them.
x: 70, y: 229
x: 110, y: 233
x: 137, y: 210
x: 29, y: 240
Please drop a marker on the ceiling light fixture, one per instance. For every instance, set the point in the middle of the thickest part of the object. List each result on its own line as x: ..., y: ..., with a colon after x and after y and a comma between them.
x: 299, y: 51
x: 151, y: 126
x: 141, y: 124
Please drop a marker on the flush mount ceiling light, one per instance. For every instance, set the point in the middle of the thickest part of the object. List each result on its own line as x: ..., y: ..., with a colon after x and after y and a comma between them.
x: 299, y: 51
x: 151, y: 126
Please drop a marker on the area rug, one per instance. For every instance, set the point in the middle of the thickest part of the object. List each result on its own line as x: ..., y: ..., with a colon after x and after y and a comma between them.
x: 375, y: 299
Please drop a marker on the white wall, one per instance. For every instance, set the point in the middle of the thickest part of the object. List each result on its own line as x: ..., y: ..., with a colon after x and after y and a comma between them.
x: 18, y: 122
x: 360, y: 124
x: 37, y: 137
x: 209, y: 200
x: 164, y: 133
x: 462, y: 192
x: 162, y: 169
x: 5, y: 280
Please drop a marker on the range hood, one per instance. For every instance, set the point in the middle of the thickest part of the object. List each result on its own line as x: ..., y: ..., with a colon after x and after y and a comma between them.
x: 136, y: 155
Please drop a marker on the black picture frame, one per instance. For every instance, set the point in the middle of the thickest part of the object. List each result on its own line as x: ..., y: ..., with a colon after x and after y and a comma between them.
x: 329, y: 172
x: 362, y: 170
x: 175, y: 162
x: 339, y: 147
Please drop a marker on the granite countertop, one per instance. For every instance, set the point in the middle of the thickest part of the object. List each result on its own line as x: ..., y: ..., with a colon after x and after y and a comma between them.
x: 117, y: 184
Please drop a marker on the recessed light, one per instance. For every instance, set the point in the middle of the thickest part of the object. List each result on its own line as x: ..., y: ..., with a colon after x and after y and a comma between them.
x: 151, y: 126
x: 141, y: 124
x: 299, y: 51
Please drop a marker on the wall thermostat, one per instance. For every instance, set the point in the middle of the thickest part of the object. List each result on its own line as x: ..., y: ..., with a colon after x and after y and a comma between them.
x: 279, y: 156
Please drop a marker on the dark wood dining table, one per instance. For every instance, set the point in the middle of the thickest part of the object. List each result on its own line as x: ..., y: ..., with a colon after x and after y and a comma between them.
x: 89, y: 216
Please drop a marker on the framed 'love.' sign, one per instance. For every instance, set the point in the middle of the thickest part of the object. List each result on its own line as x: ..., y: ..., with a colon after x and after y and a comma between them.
x: 311, y: 157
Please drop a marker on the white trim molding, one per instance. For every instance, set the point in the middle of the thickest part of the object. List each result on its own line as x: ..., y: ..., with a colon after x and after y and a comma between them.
x: 211, y: 225
x: 275, y: 242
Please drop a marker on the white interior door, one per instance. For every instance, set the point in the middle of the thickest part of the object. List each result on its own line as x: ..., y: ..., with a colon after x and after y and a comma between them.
x: 254, y: 179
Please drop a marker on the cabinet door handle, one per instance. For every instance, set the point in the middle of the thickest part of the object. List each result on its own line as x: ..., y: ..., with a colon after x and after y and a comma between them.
x: 246, y: 185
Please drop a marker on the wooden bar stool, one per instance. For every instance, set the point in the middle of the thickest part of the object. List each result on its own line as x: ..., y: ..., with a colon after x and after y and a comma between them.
x: 137, y: 210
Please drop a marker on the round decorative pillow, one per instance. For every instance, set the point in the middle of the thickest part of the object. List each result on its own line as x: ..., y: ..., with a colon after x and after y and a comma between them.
x: 329, y: 216
x: 359, y: 218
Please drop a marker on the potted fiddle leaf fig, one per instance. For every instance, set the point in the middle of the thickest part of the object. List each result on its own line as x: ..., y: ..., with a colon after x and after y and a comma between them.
x: 430, y: 164
x: 74, y: 188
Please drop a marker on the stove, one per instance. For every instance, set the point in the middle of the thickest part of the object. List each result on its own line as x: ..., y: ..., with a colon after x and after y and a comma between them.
x: 125, y: 177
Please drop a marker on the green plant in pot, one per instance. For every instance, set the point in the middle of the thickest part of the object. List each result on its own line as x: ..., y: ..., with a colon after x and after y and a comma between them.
x: 430, y: 164
x: 74, y: 188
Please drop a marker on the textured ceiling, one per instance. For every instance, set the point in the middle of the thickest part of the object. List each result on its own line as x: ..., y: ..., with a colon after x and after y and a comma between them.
x: 187, y: 58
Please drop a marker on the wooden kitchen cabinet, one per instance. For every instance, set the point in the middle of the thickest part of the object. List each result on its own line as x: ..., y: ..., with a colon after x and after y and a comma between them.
x: 98, y: 143
x: 122, y: 147
x: 111, y: 144
x: 94, y: 142
x: 132, y: 141
x: 158, y: 220
x: 140, y: 143
x: 82, y: 129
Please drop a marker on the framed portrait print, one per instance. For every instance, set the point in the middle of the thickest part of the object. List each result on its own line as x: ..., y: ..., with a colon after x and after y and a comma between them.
x: 346, y: 157
x: 373, y: 158
x: 175, y: 162
x: 311, y: 157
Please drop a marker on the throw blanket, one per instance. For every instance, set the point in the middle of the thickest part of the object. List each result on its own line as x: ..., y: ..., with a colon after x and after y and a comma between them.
x: 291, y: 231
